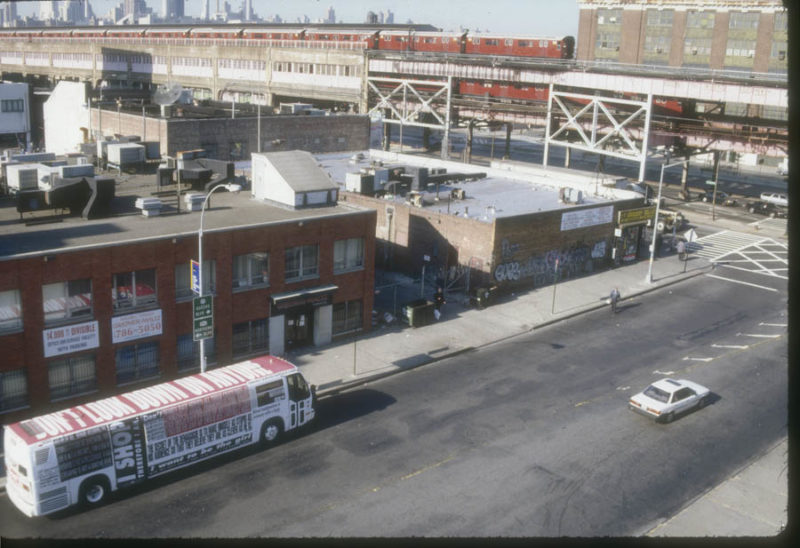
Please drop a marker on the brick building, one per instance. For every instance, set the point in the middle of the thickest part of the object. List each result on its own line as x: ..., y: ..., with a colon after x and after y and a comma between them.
x: 90, y: 307
x: 749, y: 35
x: 510, y: 225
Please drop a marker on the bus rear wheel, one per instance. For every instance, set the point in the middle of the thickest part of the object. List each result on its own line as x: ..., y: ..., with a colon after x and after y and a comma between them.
x: 94, y: 491
x: 270, y: 432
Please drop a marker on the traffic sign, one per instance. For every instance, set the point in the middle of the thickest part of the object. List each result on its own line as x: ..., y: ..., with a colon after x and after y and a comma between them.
x: 195, y: 277
x: 203, y: 318
x: 711, y: 183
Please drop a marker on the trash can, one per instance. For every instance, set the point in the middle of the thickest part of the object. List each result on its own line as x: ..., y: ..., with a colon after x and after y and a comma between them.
x: 418, y: 313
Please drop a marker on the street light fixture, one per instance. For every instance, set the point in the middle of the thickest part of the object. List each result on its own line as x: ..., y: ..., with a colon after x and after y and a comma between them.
x: 655, y: 221
x: 230, y: 187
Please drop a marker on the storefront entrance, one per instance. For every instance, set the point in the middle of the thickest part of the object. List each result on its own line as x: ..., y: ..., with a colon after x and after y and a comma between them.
x: 298, y: 327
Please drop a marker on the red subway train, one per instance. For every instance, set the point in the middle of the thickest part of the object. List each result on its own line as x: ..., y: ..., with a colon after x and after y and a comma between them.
x: 412, y: 38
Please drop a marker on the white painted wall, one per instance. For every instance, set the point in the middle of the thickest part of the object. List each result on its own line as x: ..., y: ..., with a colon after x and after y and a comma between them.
x: 15, y: 122
x: 65, y: 113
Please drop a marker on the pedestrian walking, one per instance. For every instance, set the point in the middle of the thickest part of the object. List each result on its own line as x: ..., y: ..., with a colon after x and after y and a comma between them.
x: 681, y: 250
x: 613, y: 298
x: 438, y: 301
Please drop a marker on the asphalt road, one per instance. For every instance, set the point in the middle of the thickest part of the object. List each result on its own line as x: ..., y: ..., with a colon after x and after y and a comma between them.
x: 529, y: 437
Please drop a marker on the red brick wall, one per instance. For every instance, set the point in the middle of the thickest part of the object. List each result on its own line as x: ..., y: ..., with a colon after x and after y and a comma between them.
x: 24, y: 349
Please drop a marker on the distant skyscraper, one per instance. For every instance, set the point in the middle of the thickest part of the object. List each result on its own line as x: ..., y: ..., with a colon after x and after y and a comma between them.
x: 8, y: 14
x: 48, y: 10
x: 172, y: 9
x: 248, y: 10
x: 331, y: 16
x: 204, y: 14
x: 70, y: 11
x: 389, y: 17
x: 372, y: 18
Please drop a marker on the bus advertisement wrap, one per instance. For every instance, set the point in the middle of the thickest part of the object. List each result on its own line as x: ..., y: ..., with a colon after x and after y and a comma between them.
x: 129, y: 453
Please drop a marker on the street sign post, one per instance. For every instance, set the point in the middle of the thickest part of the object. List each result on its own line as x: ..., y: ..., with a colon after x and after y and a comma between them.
x: 203, y: 318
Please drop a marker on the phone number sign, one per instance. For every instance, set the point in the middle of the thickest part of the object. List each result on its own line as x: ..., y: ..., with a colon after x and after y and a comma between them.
x: 135, y: 326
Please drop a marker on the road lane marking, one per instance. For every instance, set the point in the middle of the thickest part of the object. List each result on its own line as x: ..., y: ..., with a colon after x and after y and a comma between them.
x: 736, y: 346
x: 757, y: 335
x: 774, y: 324
x: 741, y: 282
x: 698, y: 359
x: 657, y: 372
x: 582, y: 403
x: 623, y: 388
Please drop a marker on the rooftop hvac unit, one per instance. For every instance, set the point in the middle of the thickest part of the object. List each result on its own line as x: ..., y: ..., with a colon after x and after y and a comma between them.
x: 458, y: 194
x: 415, y: 198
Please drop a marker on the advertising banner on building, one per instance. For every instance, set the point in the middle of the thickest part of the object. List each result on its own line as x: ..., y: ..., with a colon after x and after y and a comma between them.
x: 136, y: 326
x: 70, y: 338
x: 586, y: 217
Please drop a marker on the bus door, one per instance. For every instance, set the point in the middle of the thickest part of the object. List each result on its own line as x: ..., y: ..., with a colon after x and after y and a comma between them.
x: 300, y: 410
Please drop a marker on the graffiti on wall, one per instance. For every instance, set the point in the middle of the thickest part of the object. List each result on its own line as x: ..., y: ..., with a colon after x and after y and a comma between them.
x: 542, y: 268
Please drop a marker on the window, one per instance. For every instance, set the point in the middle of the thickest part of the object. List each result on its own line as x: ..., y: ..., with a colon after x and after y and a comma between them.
x: 743, y: 20
x: 67, y: 300
x: 700, y: 19
x: 13, y: 390
x: 347, y: 317
x: 72, y: 376
x: 250, y: 337
x: 659, y: 18
x: 10, y: 310
x: 137, y: 362
x: 780, y: 22
x: 348, y: 254
x: 12, y: 105
x: 133, y: 289
x: 183, y: 280
x: 188, y: 354
x: 251, y: 269
x: 302, y: 262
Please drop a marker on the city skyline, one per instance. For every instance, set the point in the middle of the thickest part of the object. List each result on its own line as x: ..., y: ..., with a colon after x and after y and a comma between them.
x: 520, y: 17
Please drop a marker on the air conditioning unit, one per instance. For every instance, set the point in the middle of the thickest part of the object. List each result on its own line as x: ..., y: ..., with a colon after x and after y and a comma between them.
x: 458, y: 194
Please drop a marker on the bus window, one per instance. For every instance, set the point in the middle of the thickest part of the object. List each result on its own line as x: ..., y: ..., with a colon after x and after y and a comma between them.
x: 269, y: 393
x: 298, y: 388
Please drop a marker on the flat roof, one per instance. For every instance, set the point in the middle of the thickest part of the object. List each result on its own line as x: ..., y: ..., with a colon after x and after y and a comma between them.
x: 509, y: 189
x: 52, y: 233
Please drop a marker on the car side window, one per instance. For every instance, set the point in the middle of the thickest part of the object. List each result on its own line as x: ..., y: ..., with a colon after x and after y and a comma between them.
x: 681, y: 394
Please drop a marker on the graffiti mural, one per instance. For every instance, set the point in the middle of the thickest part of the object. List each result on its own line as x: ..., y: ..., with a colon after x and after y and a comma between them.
x: 542, y: 268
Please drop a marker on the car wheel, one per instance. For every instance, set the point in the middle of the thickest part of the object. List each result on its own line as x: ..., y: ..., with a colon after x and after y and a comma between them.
x: 271, y: 432
x: 94, y: 491
x: 669, y: 417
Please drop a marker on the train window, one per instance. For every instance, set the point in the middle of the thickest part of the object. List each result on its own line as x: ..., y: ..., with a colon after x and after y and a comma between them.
x: 491, y: 42
x: 476, y: 41
x: 509, y: 42
x: 524, y: 44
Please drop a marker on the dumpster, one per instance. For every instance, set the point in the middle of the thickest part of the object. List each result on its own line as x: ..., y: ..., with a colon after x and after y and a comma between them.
x: 418, y: 313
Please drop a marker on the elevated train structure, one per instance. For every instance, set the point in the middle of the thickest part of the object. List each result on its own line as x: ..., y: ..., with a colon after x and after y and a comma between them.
x: 496, y: 79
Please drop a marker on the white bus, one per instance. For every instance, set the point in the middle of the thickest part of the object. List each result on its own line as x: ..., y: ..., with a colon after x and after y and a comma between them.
x: 81, y: 454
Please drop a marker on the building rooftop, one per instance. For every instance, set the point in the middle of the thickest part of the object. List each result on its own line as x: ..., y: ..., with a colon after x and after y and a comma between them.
x: 46, y: 232
x: 509, y: 188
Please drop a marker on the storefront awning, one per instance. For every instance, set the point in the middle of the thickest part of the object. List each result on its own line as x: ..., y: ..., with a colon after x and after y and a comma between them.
x: 302, y: 295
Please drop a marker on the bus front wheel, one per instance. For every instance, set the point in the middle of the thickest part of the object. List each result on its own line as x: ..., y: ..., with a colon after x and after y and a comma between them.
x: 94, y: 491
x: 270, y: 432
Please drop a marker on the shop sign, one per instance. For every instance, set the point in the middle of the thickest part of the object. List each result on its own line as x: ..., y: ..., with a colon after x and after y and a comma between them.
x: 587, y: 217
x: 70, y: 338
x: 135, y: 326
x: 636, y: 216
x: 313, y: 300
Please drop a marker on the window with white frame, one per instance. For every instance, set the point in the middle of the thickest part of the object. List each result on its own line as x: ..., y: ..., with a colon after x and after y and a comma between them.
x: 183, y: 279
x: 302, y: 262
x: 188, y: 352
x: 700, y: 19
x: 73, y: 376
x: 251, y: 269
x: 250, y: 337
x: 67, y: 300
x: 347, y: 317
x: 743, y: 20
x: 13, y: 390
x: 136, y: 362
x: 10, y: 310
x: 133, y: 289
x: 348, y: 254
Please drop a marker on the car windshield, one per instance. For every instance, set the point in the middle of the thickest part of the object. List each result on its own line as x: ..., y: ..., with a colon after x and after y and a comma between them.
x: 657, y: 394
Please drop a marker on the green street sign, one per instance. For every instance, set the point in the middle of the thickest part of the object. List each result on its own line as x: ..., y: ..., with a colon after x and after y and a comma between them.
x: 203, y: 317
x: 711, y: 183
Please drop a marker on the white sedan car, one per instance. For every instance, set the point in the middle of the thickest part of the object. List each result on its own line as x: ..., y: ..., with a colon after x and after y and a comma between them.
x: 666, y: 398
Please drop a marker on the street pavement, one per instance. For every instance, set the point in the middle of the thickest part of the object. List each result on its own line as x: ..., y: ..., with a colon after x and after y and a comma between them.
x: 752, y: 502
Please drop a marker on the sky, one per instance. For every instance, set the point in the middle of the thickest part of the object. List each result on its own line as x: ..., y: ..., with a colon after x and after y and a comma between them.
x: 555, y: 18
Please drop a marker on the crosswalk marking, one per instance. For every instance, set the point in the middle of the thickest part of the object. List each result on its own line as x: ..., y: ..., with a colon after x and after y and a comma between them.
x: 698, y: 359
x: 734, y: 346
x: 774, y: 324
x: 741, y: 282
x: 758, y: 335
x: 739, y: 251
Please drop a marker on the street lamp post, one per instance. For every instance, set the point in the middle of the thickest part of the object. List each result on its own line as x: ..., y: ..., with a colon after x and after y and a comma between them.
x: 655, y: 221
x: 230, y: 187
